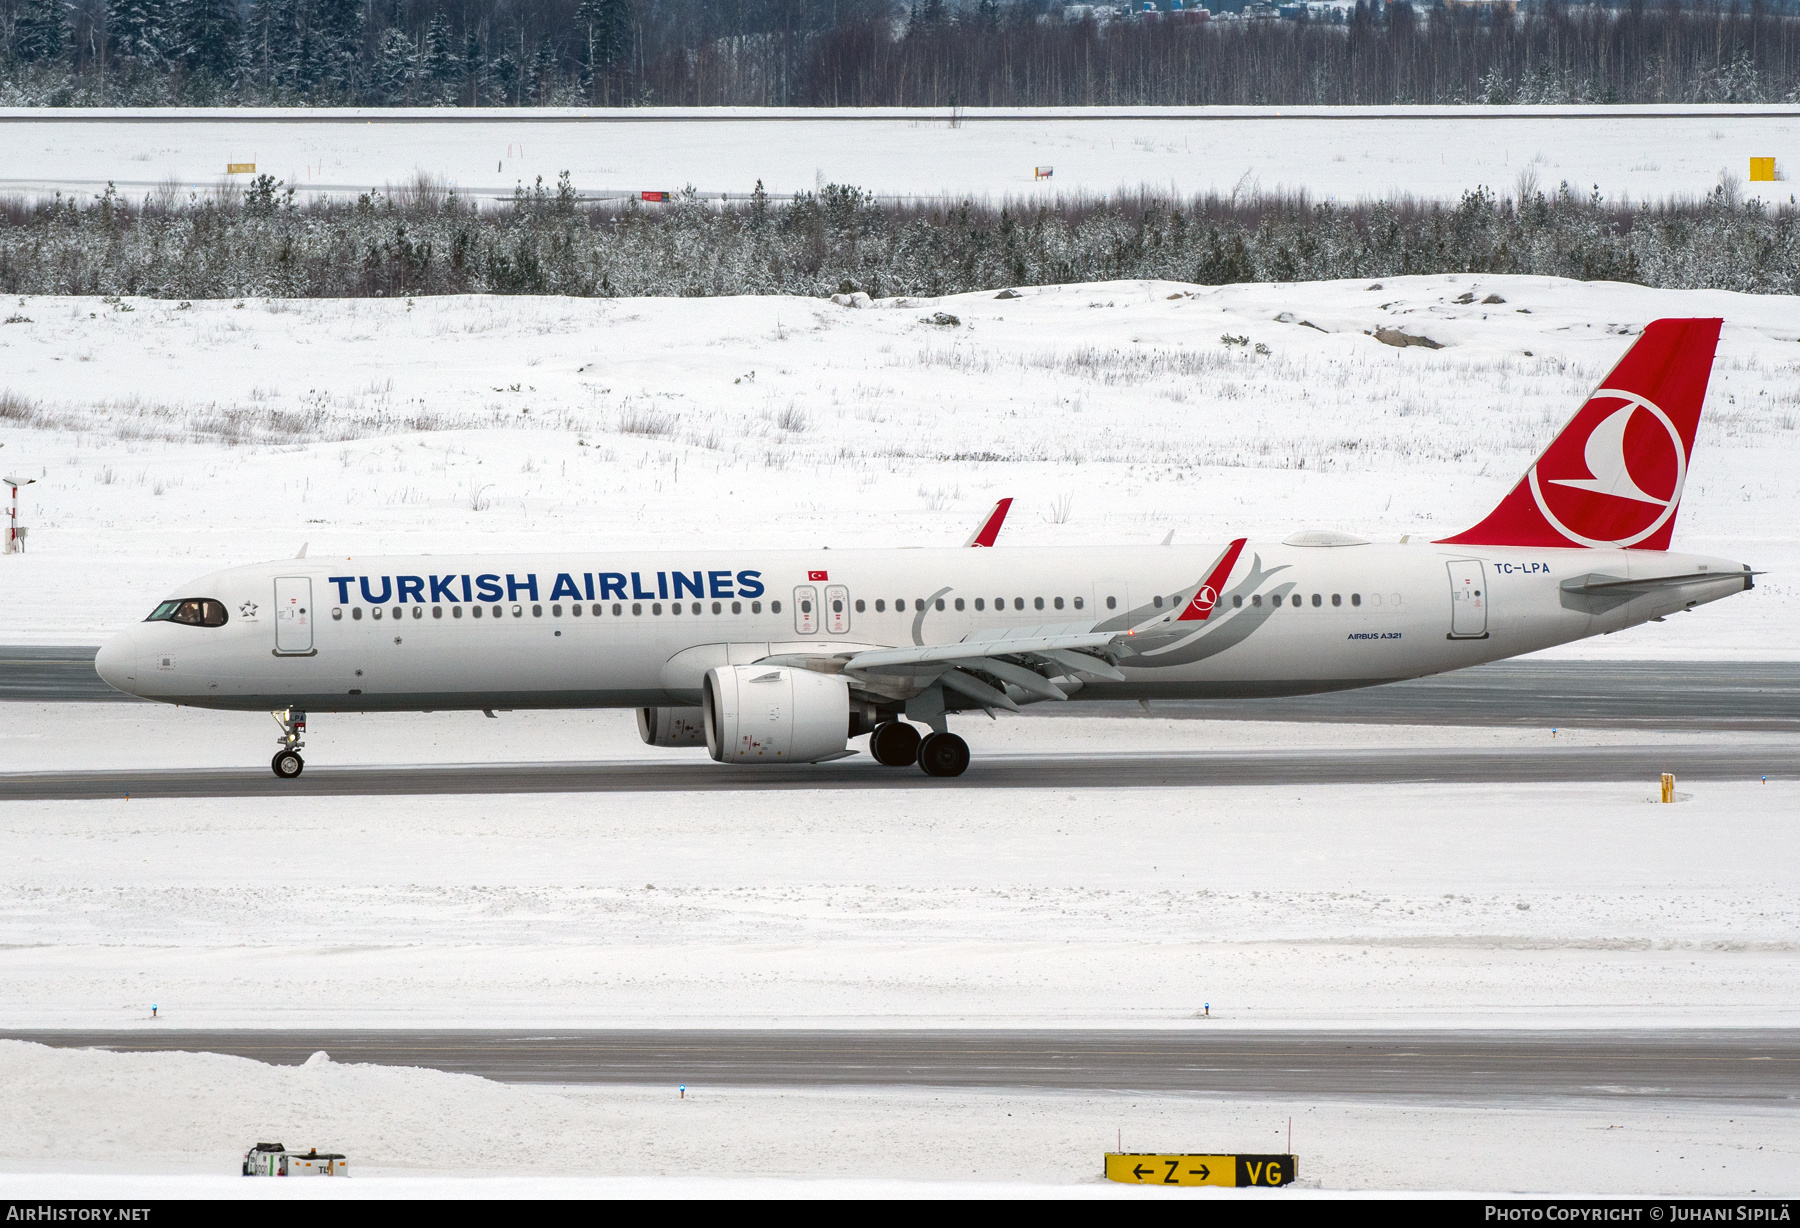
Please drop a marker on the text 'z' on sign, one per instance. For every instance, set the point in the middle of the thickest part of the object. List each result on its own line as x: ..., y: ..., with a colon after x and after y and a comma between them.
x: 240, y: 168
x: 1147, y: 1168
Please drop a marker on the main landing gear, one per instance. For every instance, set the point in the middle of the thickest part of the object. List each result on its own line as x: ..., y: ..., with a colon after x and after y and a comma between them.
x: 897, y: 744
x: 943, y: 754
x: 894, y: 744
x: 287, y: 762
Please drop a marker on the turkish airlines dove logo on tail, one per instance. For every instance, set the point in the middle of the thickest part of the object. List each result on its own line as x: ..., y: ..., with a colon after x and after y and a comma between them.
x: 1613, y: 478
x: 1629, y: 448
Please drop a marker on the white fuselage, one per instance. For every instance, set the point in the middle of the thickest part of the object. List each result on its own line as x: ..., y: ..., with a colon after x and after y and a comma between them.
x: 618, y: 630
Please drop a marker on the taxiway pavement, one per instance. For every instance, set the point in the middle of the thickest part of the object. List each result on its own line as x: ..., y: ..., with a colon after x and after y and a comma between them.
x: 1760, y: 1066
x: 1431, y: 765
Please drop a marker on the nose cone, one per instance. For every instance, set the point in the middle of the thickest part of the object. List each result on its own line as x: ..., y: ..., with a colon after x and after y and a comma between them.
x: 116, y: 663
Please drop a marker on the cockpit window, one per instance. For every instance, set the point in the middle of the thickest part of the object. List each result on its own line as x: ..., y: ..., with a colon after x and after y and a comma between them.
x: 190, y: 611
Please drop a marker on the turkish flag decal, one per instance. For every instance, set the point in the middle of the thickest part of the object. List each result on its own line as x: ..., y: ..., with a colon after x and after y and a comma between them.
x: 817, y: 575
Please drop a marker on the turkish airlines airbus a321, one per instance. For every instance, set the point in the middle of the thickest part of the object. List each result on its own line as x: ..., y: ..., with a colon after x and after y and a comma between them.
x: 783, y: 656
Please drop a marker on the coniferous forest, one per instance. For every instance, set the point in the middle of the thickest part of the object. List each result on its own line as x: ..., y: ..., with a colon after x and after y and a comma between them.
x: 828, y: 53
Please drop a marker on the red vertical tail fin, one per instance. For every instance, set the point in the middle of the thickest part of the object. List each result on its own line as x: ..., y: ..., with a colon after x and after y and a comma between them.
x: 1612, y: 479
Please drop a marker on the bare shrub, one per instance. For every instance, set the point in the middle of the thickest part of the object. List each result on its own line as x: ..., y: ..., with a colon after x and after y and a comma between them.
x: 643, y: 420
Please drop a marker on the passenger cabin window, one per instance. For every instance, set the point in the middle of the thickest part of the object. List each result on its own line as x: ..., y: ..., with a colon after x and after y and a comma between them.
x: 1078, y: 603
x: 880, y: 605
x: 774, y: 607
x: 1355, y: 598
x: 1337, y: 599
x: 859, y: 605
x: 1317, y: 601
x: 1112, y: 603
x: 1037, y: 603
x: 981, y: 603
x: 1157, y: 601
x: 959, y: 603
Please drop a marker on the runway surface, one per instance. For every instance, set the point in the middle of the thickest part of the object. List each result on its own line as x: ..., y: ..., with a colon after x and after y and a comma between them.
x: 1455, y: 765
x: 1751, y: 1066
x: 1746, y: 695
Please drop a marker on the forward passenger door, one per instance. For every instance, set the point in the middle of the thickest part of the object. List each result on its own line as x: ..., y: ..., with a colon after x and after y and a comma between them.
x: 806, y: 609
x: 293, y: 616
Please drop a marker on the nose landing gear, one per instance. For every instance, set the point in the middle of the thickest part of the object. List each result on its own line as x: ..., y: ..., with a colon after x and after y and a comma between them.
x: 287, y: 762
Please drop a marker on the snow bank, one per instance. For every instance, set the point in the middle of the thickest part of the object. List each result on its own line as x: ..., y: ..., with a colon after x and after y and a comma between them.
x: 189, y: 1117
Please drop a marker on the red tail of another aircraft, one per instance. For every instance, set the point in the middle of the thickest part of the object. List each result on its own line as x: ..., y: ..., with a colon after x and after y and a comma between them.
x: 1613, y: 478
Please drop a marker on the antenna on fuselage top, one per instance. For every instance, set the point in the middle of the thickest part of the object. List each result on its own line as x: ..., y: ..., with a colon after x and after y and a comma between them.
x: 1170, y: 539
x: 303, y: 546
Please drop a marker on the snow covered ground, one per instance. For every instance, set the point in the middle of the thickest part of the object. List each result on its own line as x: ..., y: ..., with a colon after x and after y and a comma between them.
x: 1343, y: 153
x: 1391, y: 906
x: 188, y: 1118
x: 170, y: 439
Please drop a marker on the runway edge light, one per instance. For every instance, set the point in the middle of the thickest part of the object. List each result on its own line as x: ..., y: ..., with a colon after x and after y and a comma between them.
x: 1155, y: 1168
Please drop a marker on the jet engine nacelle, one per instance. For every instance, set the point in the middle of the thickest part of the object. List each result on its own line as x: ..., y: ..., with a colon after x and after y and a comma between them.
x: 671, y: 726
x: 775, y: 714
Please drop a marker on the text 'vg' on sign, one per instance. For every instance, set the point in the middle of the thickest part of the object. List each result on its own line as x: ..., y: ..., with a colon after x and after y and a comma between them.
x: 1149, y: 1168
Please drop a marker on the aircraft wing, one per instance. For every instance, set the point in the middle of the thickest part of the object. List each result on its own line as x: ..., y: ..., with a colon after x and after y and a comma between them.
x: 984, y: 665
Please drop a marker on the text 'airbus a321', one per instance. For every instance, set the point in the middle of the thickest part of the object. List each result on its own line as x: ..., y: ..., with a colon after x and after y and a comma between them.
x: 784, y: 656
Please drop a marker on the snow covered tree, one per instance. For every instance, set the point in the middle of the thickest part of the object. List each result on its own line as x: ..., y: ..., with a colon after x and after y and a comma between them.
x: 41, y: 31
x: 140, y: 30
x: 474, y: 69
x: 543, y: 72
x: 209, y: 37
x: 504, y: 72
x: 605, y: 28
x: 272, y: 46
x: 336, y: 27
x: 437, y: 67
x: 396, y: 63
